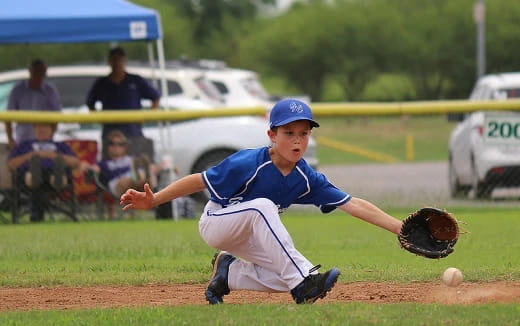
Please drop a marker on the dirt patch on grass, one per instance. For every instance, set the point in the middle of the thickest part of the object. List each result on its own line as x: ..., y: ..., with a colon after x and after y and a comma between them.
x: 44, y: 298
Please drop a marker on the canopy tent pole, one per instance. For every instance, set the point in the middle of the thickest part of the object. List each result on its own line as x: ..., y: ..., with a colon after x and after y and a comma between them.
x: 162, y: 66
x: 151, y: 63
x: 163, y: 126
x: 166, y: 138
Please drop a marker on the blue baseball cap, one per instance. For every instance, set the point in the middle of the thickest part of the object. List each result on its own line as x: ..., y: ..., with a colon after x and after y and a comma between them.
x: 289, y: 110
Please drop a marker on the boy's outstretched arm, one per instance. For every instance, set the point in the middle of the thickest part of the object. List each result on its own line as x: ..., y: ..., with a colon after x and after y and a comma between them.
x: 133, y: 199
x: 370, y: 213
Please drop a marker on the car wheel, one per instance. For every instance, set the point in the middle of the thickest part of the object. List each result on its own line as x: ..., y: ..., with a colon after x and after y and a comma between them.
x: 456, y: 189
x: 205, y: 162
x: 481, y: 189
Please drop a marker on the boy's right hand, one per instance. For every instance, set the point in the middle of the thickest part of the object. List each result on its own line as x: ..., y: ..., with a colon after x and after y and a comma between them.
x: 133, y: 199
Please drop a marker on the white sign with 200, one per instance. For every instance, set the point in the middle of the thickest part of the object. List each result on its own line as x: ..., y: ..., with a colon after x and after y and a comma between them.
x: 502, y: 128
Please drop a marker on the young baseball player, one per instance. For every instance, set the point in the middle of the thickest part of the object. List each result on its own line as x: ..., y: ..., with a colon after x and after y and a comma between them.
x: 249, y: 190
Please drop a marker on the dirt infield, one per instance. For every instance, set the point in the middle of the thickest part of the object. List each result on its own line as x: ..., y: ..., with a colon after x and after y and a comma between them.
x: 12, y: 299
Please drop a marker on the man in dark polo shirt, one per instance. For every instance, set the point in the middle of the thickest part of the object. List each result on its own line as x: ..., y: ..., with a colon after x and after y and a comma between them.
x: 121, y: 91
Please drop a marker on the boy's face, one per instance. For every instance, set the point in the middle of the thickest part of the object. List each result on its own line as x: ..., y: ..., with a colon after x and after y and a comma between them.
x: 43, y: 131
x: 117, y: 147
x: 291, y: 140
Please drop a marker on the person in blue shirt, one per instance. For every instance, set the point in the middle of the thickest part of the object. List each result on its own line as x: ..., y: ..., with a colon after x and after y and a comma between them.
x: 41, y: 163
x: 36, y: 94
x: 121, y: 90
x: 249, y: 190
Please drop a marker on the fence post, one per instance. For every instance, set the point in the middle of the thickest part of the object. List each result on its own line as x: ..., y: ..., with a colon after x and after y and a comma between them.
x: 410, y: 152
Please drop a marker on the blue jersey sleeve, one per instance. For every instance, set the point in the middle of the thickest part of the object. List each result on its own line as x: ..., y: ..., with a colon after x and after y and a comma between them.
x: 324, y: 194
x: 229, y: 176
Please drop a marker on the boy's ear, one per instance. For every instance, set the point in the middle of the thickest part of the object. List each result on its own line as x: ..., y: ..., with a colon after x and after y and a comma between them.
x: 271, y: 134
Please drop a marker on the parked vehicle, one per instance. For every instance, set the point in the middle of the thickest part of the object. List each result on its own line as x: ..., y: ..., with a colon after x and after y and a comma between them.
x: 187, y: 88
x: 238, y: 87
x: 484, y: 148
x: 192, y: 145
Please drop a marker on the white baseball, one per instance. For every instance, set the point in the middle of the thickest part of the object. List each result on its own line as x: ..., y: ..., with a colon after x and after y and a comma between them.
x: 452, y: 277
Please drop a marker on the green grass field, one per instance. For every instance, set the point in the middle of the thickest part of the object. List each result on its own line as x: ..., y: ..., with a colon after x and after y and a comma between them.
x: 147, y: 251
x: 385, y: 135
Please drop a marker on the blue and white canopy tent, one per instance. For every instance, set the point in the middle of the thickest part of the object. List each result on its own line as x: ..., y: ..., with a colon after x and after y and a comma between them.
x: 78, y: 21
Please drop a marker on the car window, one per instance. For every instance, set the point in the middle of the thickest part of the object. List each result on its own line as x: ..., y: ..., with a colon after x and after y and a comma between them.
x: 209, y: 89
x: 73, y: 89
x: 505, y: 93
x: 174, y: 88
x: 5, y: 90
x: 222, y: 88
x: 254, y: 88
x: 511, y: 92
x: 499, y: 95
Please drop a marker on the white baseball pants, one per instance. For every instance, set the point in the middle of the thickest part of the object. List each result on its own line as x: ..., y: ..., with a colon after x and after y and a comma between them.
x: 253, y: 232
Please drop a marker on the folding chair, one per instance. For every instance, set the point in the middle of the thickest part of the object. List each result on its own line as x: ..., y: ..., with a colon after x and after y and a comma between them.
x: 61, y: 201
x: 88, y: 186
x: 180, y: 207
x: 88, y: 191
x: 5, y: 185
x: 145, y: 147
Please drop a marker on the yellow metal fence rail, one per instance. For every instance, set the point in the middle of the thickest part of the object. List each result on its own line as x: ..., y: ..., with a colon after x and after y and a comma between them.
x: 319, y: 109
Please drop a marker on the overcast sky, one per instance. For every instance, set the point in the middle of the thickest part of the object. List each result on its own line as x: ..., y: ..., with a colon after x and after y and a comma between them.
x: 283, y: 4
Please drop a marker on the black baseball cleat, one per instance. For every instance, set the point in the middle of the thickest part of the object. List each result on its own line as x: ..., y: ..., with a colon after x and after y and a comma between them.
x: 315, y: 287
x: 218, y: 285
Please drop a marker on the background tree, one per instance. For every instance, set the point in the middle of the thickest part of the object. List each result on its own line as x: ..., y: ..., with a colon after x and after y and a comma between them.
x: 502, y: 41
x: 436, y: 45
x: 347, y: 48
x: 215, y: 24
x: 295, y: 45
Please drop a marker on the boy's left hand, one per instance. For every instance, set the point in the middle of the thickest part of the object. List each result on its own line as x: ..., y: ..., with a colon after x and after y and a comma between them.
x: 429, y: 232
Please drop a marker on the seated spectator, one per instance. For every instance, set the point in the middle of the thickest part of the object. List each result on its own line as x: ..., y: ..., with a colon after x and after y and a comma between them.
x: 120, y: 171
x: 41, y: 164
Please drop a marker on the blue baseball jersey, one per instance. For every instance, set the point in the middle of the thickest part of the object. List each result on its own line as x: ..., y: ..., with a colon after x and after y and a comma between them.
x: 250, y: 174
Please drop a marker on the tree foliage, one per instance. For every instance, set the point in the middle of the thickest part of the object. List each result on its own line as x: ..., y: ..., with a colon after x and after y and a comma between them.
x: 209, y: 16
x: 432, y: 42
x: 354, y: 45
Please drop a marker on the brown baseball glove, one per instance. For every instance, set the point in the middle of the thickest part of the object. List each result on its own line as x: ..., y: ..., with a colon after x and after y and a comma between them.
x: 429, y: 232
